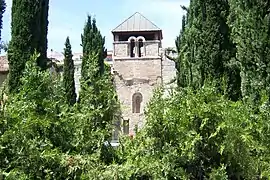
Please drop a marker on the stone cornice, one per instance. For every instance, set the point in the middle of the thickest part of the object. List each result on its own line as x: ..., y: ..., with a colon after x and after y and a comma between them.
x: 136, y: 58
x: 146, y: 42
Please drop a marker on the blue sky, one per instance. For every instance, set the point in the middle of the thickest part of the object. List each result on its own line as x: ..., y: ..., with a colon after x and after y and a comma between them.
x: 67, y: 18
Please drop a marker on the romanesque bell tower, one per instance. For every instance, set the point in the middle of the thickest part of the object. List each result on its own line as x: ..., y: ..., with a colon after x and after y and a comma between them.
x: 137, y: 67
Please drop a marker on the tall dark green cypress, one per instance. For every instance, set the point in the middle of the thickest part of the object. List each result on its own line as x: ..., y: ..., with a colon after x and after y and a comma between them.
x: 2, y: 11
x: 179, y: 62
x: 189, y: 41
x: 68, y: 77
x: 95, y: 79
x: 43, y: 41
x: 217, y: 48
x: 28, y: 33
x: 93, y: 43
x: 86, y: 38
x: 250, y: 22
x: 205, y: 48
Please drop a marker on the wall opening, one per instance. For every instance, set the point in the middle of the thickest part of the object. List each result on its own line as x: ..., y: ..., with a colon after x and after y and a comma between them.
x: 115, y: 130
x: 149, y: 37
x: 136, y: 103
x: 132, y: 48
x: 126, y: 126
x: 141, y: 48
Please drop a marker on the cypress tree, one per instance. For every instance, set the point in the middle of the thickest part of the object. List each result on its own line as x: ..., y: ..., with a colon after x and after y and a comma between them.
x: 187, y: 61
x: 28, y: 34
x: 217, y: 49
x: 92, y: 43
x: 68, y: 76
x: 250, y: 22
x: 2, y: 11
x: 43, y: 41
x: 86, y: 44
x: 179, y: 62
x: 96, y: 80
x: 205, y: 48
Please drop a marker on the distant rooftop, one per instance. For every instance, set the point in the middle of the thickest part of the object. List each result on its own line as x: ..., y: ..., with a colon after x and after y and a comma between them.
x: 55, y: 56
x: 76, y: 55
x: 136, y: 22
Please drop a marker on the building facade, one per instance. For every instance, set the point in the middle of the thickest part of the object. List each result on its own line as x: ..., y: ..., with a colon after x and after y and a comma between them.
x: 139, y: 66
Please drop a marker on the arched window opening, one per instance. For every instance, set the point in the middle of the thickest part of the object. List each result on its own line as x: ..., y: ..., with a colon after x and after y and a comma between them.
x: 126, y: 126
x: 132, y: 48
x: 136, y: 103
x: 141, y: 48
x: 115, y: 131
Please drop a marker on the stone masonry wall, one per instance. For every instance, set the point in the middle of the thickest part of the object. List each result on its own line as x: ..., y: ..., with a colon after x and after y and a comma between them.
x: 125, y: 96
x: 138, y: 68
x: 141, y: 75
x: 152, y: 48
x: 136, y: 75
x: 120, y: 49
x: 168, y: 68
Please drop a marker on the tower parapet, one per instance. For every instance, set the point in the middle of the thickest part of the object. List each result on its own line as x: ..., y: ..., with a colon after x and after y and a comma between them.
x: 137, y: 37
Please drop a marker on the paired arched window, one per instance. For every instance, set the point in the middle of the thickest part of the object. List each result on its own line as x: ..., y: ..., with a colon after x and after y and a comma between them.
x: 136, y: 102
x: 136, y: 46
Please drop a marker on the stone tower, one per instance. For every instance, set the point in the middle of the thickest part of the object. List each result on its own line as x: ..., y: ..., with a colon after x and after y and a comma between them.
x: 137, y: 67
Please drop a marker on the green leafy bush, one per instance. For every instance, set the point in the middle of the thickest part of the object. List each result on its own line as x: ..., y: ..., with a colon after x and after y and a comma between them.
x: 196, y: 135
x: 188, y: 135
x: 43, y: 138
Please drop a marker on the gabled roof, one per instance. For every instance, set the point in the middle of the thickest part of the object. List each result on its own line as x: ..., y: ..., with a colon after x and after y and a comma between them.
x: 136, y: 22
